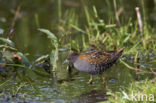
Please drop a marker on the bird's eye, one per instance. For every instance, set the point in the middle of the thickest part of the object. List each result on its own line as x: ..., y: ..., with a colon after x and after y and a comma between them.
x: 70, y: 58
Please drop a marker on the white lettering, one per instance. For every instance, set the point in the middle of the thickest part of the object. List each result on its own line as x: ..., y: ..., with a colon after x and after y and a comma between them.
x: 138, y: 97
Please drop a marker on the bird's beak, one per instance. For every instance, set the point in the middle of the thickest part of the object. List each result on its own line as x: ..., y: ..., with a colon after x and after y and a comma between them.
x: 69, y: 67
x: 66, y: 62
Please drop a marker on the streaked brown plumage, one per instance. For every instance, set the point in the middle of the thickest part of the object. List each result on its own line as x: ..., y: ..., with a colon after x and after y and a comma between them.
x: 95, y: 61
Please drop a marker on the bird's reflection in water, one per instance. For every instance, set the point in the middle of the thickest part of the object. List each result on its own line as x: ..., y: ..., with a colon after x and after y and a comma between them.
x: 95, y: 95
x: 92, y: 97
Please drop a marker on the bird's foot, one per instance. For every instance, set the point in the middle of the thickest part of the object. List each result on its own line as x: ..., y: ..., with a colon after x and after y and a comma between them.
x: 91, y: 80
x: 104, y: 79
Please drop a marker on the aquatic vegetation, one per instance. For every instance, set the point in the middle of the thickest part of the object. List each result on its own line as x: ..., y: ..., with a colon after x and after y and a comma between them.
x: 42, y: 34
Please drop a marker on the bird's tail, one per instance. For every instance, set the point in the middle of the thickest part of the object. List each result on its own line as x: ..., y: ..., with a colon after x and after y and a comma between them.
x: 119, y: 52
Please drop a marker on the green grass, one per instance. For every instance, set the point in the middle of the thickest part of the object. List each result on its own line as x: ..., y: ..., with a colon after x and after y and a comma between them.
x: 107, y: 35
x: 77, y: 34
x: 137, y: 89
x: 110, y: 36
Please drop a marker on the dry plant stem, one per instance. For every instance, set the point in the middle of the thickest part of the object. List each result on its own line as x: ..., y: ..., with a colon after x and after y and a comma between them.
x: 139, y: 19
x: 13, y: 25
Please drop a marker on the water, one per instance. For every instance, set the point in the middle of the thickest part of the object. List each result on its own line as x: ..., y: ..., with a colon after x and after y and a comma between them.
x: 38, y: 85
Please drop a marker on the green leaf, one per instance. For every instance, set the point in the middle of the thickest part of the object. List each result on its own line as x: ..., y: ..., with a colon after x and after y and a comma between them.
x: 127, y: 65
x: 50, y: 35
x: 8, y: 42
x: 63, y: 49
x: 78, y: 29
x: 24, y: 58
x: 132, y: 49
x: 8, y: 47
x: 17, y: 65
x: 95, y: 11
x: 127, y: 38
x: 8, y: 55
x: 41, y: 58
x: 54, y: 58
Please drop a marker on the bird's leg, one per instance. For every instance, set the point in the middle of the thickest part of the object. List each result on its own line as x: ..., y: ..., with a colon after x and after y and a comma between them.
x: 69, y: 68
x: 91, y: 79
x: 103, y: 78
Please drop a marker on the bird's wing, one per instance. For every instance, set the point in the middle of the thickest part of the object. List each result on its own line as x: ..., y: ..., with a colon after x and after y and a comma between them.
x: 101, y: 57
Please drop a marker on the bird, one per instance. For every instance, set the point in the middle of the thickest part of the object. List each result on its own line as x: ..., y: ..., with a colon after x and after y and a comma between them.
x: 94, y: 62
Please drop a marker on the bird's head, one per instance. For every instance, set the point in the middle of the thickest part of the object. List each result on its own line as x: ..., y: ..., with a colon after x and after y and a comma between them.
x: 72, y: 57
